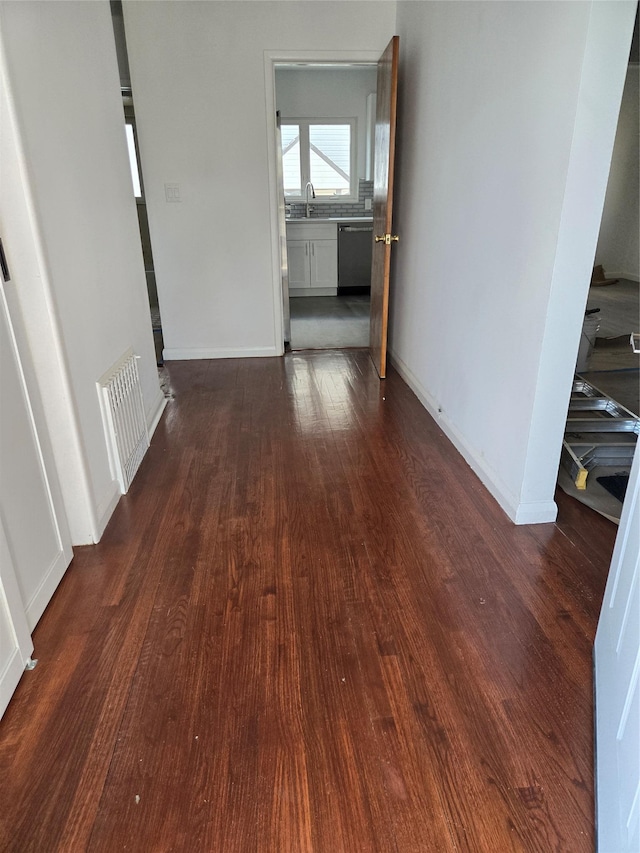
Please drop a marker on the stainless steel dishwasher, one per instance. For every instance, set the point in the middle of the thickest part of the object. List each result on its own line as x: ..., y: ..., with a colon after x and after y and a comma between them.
x: 354, y: 257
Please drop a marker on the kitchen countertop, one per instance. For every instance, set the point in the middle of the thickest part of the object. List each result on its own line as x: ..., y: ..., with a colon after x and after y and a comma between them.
x: 317, y: 219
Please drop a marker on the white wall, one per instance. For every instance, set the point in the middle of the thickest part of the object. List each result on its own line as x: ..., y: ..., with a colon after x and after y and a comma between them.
x: 506, y: 122
x: 198, y: 77
x: 63, y: 78
x: 618, y: 249
x: 330, y: 93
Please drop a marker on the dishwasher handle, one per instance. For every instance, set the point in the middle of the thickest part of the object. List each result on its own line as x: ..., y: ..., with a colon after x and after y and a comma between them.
x: 356, y: 228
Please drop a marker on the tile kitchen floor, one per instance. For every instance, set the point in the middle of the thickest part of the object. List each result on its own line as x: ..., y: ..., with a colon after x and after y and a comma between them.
x: 329, y: 322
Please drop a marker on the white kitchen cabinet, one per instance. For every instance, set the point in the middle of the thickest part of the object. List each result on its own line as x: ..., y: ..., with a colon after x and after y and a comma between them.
x: 312, y: 250
x: 324, y: 263
x: 299, y: 266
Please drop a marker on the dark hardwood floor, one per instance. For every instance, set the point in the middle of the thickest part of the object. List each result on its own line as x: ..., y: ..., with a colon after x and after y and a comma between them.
x: 309, y: 628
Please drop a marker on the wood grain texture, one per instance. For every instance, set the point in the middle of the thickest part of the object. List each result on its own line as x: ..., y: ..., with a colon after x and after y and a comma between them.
x: 309, y: 628
x: 384, y: 166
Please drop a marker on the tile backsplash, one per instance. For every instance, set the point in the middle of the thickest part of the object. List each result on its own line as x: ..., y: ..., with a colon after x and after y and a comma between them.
x: 337, y: 208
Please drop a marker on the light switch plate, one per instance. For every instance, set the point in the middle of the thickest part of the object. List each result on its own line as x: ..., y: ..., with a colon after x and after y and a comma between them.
x: 367, y: 204
x: 172, y: 192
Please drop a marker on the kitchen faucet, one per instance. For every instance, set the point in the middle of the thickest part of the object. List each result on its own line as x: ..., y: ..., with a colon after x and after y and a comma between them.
x: 309, y: 207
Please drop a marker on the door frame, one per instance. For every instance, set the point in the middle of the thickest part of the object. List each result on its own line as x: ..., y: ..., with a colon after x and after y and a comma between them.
x: 53, y: 574
x: 615, y: 677
x: 272, y: 58
x: 41, y: 343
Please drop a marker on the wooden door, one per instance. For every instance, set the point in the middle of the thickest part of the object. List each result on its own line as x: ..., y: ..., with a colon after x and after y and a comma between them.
x: 617, y: 675
x: 385, y: 143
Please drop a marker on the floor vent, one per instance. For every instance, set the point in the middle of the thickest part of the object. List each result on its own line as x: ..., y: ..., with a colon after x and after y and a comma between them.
x: 124, y: 419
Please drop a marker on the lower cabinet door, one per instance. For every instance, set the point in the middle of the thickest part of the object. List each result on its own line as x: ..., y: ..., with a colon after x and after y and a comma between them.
x: 324, y: 263
x: 298, y: 261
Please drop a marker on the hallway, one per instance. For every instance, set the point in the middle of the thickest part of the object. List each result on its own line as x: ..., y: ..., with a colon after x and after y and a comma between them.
x: 308, y: 627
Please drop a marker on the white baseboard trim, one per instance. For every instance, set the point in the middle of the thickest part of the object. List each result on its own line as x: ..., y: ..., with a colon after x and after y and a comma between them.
x: 153, y: 418
x: 297, y: 292
x: 539, y: 512
x: 9, y: 677
x: 632, y: 276
x: 47, y: 586
x: 105, y: 510
x: 179, y: 354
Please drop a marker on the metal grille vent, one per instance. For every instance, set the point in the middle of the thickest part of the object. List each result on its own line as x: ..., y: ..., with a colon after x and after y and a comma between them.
x: 124, y: 418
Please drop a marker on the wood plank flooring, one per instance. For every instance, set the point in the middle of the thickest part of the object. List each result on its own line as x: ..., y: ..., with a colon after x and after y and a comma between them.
x: 309, y: 628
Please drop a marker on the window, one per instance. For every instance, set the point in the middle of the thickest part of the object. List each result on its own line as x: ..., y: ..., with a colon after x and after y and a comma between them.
x: 322, y: 151
x: 133, y: 160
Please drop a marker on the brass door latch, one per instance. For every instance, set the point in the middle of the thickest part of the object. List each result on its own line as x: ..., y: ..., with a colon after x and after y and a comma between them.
x: 387, y: 239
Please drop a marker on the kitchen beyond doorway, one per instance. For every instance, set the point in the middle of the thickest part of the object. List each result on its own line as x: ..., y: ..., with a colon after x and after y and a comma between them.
x: 326, y: 111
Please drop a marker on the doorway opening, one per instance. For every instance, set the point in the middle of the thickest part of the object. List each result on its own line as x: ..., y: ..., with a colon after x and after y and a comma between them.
x: 137, y: 182
x: 597, y: 461
x: 327, y: 124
